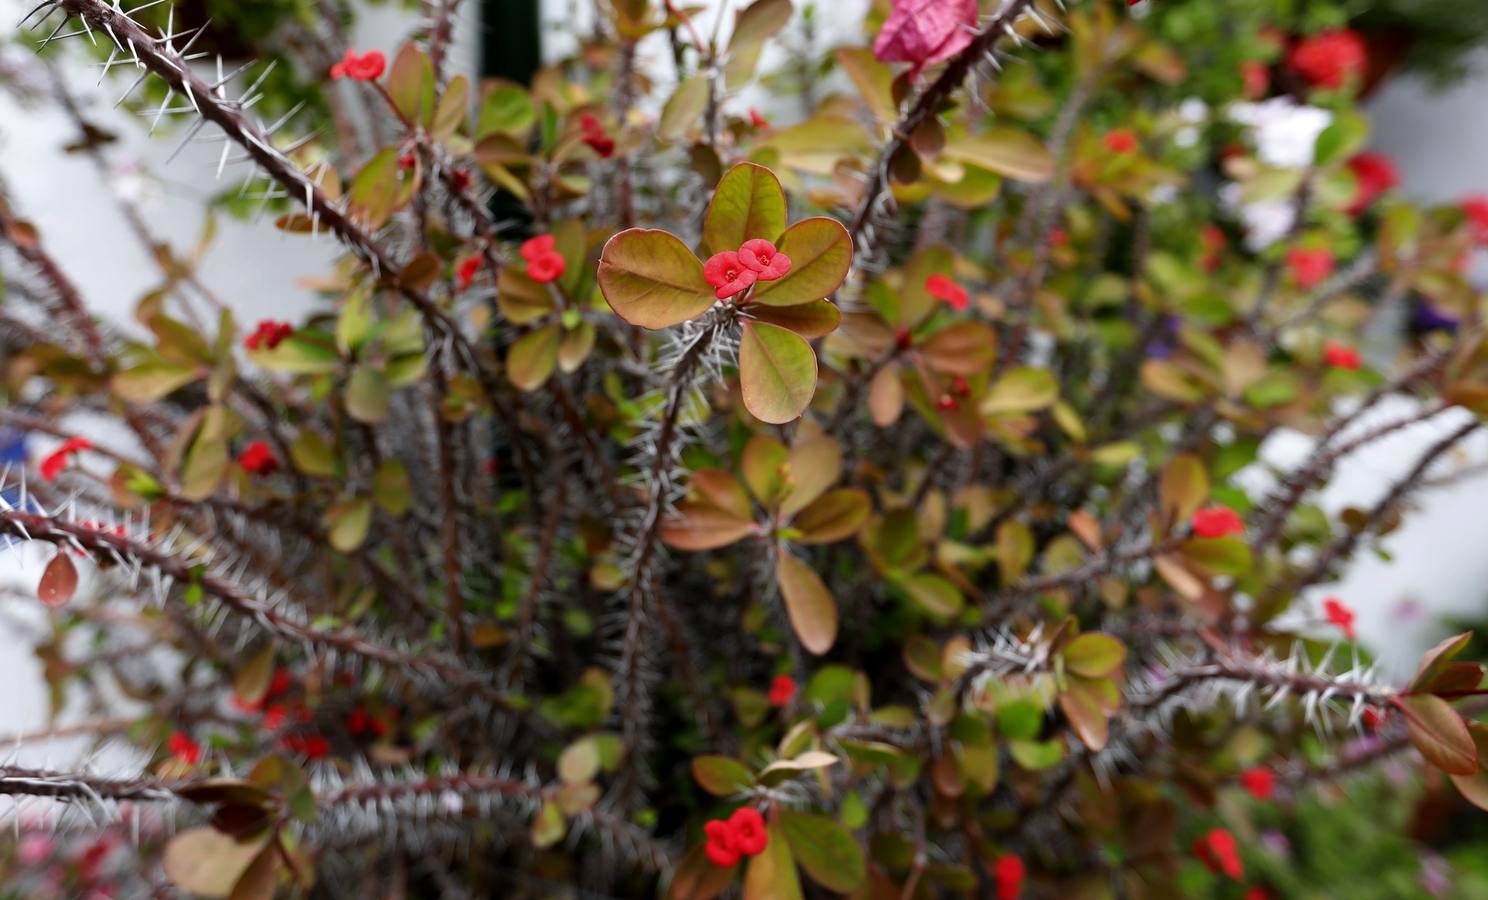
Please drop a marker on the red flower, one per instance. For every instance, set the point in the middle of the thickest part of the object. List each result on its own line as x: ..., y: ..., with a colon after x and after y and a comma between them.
x: 1256, y: 893
x: 1213, y: 239
x: 542, y: 245
x: 546, y: 268
x: 310, y: 746
x: 782, y: 689
x: 258, y: 459
x: 720, y: 848
x: 749, y: 831
x: 1338, y: 614
x: 274, y: 716
x: 1310, y: 266
x: 1259, y: 781
x: 460, y: 178
x: 903, y: 340
x: 728, y: 274
x: 368, y: 66
x: 1120, y: 141
x: 1009, y: 872
x: 358, y: 722
x: 182, y: 747
x: 1256, y: 76
x: 602, y: 144
x: 1219, y: 852
x: 1217, y: 521
x: 268, y: 334
x: 1340, y: 356
x: 1058, y: 237
x: 1329, y: 59
x: 946, y: 403
x: 406, y: 161
x: 761, y: 258
x: 757, y: 120
x: 947, y: 291
x: 922, y: 32
x: 465, y: 273
x: 1376, y: 174
x: 1372, y: 718
x: 53, y: 463
x: 1476, y: 210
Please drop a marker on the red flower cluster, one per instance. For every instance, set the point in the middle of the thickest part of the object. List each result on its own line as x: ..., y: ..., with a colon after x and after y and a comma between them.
x: 310, y: 746
x: 1121, y: 141
x: 267, y: 335
x: 1310, y: 266
x: 741, y: 834
x: 182, y: 747
x: 53, y: 463
x: 1340, y: 615
x: 1220, y: 853
x: 258, y: 459
x: 368, y: 66
x: 733, y: 272
x: 1340, y: 356
x: 1009, y: 873
x: 947, y: 291
x: 596, y: 137
x: 466, y: 271
x: 1329, y: 59
x: 1375, y: 173
x: 362, y: 722
x: 782, y: 689
x: 279, y: 684
x: 1259, y: 781
x: 544, y: 262
x: 1476, y: 210
x: 1217, y: 521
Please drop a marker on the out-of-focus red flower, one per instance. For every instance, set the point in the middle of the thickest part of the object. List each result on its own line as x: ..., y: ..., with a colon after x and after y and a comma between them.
x: 1340, y: 615
x: 1220, y: 853
x: 903, y: 340
x: 182, y: 747
x: 720, y: 847
x: 947, y: 291
x: 1376, y: 174
x: 258, y: 459
x: 310, y: 746
x: 273, y: 717
x: 1259, y: 782
x: 1340, y: 356
x: 782, y: 689
x: 1476, y: 209
x: 594, y: 135
x: 1217, y: 521
x: 1256, y: 893
x: 546, y: 268
x: 1329, y: 59
x: 1058, y: 237
x: 367, y: 66
x: 53, y: 463
x: 728, y: 274
x: 1310, y: 266
x: 761, y: 258
x: 466, y: 271
x: 757, y: 120
x: 1256, y: 77
x: 460, y: 178
x: 924, y: 32
x: 268, y: 334
x: 750, y: 835
x: 534, y: 247
x: 1213, y: 240
x: 946, y: 403
x: 1009, y: 872
x: 1373, y: 718
x: 1121, y: 141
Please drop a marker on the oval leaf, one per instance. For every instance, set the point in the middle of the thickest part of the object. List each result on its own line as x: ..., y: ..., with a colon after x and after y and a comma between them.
x: 820, y: 252
x: 1440, y: 734
x: 207, y: 862
x: 59, y: 581
x: 818, y: 318
x: 826, y: 850
x: 651, y: 279
x: 721, y: 776
x: 777, y: 372
x: 1094, y: 655
x: 697, y: 526
x: 748, y: 203
x: 772, y: 874
x: 808, y: 604
x: 533, y: 357
x: 1006, y: 151
x: 833, y: 517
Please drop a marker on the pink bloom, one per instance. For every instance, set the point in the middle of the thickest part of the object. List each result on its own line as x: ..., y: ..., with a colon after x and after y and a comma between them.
x: 1009, y: 872
x: 761, y: 257
x: 1340, y: 615
x: 947, y: 291
x: 923, y: 32
x: 782, y: 689
x: 1217, y: 521
x: 728, y: 274
x: 749, y: 830
x: 34, y: 848
x: 1219, y: 852
x: 1376, y: 174
x: 1340, y: 357
x: 368, y: 66
x: 1121, y: 141
x: 1310, y: 267
x: 182, y: 747
x: 1329, y: 59
x: 1259, y: 782
x: 53, y: 463
x: 465, y: 273
x: 258, y: 459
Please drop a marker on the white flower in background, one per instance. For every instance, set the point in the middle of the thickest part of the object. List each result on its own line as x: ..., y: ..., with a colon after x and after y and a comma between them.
x: 1284, y: 130
x: 1266, y: 221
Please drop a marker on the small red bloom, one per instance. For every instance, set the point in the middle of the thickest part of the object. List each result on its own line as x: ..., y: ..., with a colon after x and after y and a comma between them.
x: 1310, y: 266
x: 1256, y: 893
x: 782, y: 689
x: 268, y: 334
x: 728, y: 274
x: 1329, y: 59
x: 761, y: 258
x: 721, y: 849
x: 1338, y: 614
x: 946, y: 402
x: 1120, y: 141
x: 310, y: 746
x: 602, y: 144
x: 368, y: 66
x: 960, y: 385
x: 182, y: 747
x: 903, y: 340
x: 1373, y: 718
x: 1376, y: 174
x: 1058, y: 237
x: 53, y: 463
x: 947, y: 291
x: 358, y: 722
x: 1256, y: 77
x: 1340, y: 356
x: 546, y: 268
x: 465, y: 273
x: 460, y: 178
x: 258, y: 459
x: 1259, y: 782
x: 1213, y: 239
x: 274, y: 716
x: 1009, y: 872
x: 406, y: 161
x: 757, y: 120
x: 1219, y: 852
x: 542, y: 245
x: 749, y: 830
x: 1217, y: 521
x: 1476, y: 210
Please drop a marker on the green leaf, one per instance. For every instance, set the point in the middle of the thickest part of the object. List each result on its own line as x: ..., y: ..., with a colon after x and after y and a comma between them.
x: 833, y: 517
x: 935, y: 594
x: 453, y: 107
x: 1439, y: 733
x: 207, y: 459
x: 685, y: 108
x: 531, y: 360
x: 818, y: 318
x: 1007, y: 151
x: 148, y: 382
x: 348, y: 522
x: 391, y: 489
x: 1345, y: 136
x: 1094, y: 655
x: 506, y: 109
x: 411, y: 85
x: 579, y: 761
x: 808, y: 603
x: 873, y: 79
x: 1221, y: 556
x: 777, y: 372
x: 651, y: 279
x: 756, y: 23
x: 1475, y: 786
x: 811, y: 467
x: 1019, y: 719
x: 313, y: 456
x: 748, y: 203
x: 1037, y: 755
x: 548, y: 826
x: 965, y: 348
x: 1085, y: 716
x: 721, y: 776
x: 367, y: 395
x: 826, y: 850
x: 354, y: 325
x: 1436, y: 659
x: 915, y: 302
x: 696, y: 878
x: 762, y: 465
x: 300, y: 354
x: 1183, y: 488
x: 772, y: 874
x: 820, y: 251
x: 379, y: 189
x: 1022, y: 390
x: 784, y: 769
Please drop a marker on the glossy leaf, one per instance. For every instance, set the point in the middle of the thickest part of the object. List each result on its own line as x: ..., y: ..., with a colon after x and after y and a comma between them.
x: 827, y: 851
x: 1438, y: 732
x: 772, y: 874
x: 820, y: 251
x: 411, y: 84
x: 833, y: 517
x: 1021, y: 390
x: 777, y: 372
x: 818, y: 318
x: 748, y: 203
x: 531, y: 360
x: 1007, y: 151
x: 1094, y: 655
x: 651, y: 279
x: 721, y: 776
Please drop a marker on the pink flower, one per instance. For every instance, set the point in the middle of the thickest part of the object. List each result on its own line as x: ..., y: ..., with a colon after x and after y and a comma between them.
x: 1340, y: 356
x: 53, y: 463
x: 923, y: 32
x: 1217, y: 521
x: 258, y: 459
x: 1219, y: 852
x: 761, y: 258
x: 782, y: 689
x: 182, y: 747
x: 1009, y: 872
x: 1329, y: 59
x: 1376, y: 174
x: 1310, y: 266
x: 728, y: 274
x: 1340, y: 615
x: 465, y: 273
x: 947, y: 291
x: 1476, y: 210
x: 1121, y: 141
x: 368, y: 66
x: 1259, y: 782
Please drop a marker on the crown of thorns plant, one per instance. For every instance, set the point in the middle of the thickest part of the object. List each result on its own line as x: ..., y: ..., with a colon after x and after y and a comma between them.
x: 843, y: 507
